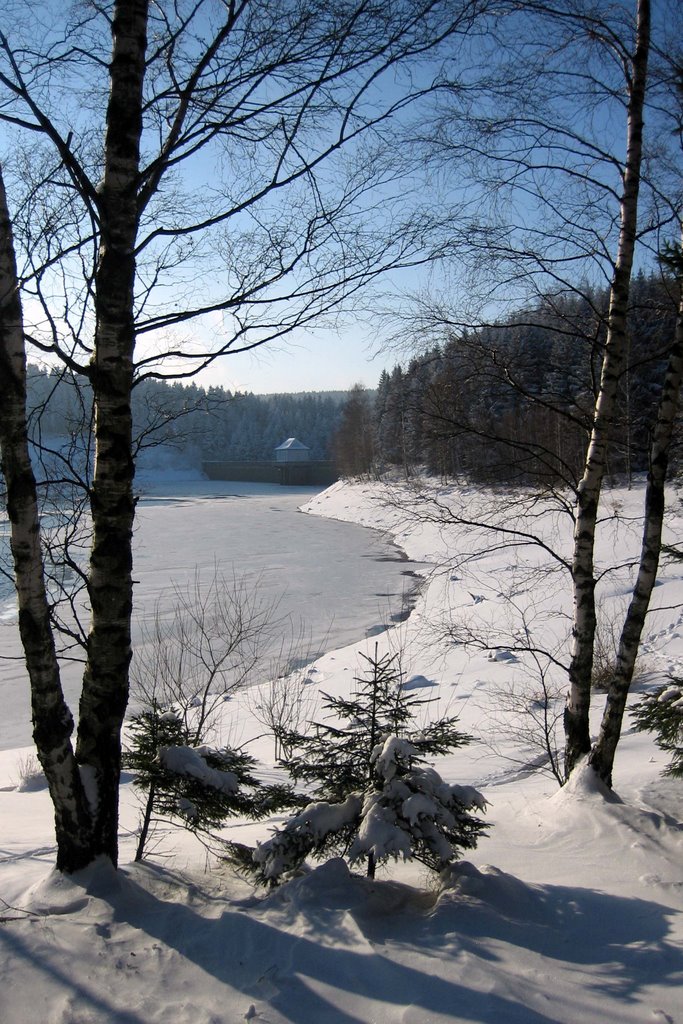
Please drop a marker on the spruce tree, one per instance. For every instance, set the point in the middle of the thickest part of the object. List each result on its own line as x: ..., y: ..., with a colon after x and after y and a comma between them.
x: 371, y: 794
x: 661, y: 712
x: 198, y: 787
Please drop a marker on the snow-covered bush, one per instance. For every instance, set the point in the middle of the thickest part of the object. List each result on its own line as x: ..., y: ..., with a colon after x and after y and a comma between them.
x: 405, y: 812
x: 195, y: 786
x: 661, y: 712
x: 31, y: 775
x: 373, y: 795
x: 409, y: 811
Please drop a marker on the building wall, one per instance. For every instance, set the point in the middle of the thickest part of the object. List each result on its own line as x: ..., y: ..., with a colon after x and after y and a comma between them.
x: 292, y: 455
x: 296, y: 474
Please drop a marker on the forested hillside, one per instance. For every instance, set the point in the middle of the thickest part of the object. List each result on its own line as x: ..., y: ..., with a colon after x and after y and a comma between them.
x: 514, y: 402
x: 203, y: 423
x: 510, y: 402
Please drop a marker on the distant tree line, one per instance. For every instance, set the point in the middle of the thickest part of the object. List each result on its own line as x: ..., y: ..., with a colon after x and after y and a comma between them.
x: 507, y: 403
x: 513, y: 402
x: 205, y: 423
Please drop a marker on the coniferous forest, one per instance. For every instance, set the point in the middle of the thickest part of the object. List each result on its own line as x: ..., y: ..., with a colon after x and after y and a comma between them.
x: 203, y: 423
x: 513, y: 402
x: 506, y: 403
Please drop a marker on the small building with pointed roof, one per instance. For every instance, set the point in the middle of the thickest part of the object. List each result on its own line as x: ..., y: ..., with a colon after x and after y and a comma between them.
x: 291, y: 466
x: 292, y: 450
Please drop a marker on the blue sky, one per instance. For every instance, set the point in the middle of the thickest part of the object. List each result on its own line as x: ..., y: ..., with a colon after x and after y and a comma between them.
x: 316, y: 361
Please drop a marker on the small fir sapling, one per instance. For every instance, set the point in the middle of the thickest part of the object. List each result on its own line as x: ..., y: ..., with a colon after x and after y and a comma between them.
x: 661, y: 713
x: 335, y: 758
x: 374, y: 797
x: 196, y: 786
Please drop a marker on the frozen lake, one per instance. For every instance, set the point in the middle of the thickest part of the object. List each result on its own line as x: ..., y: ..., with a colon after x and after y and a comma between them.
x: 335, y: 582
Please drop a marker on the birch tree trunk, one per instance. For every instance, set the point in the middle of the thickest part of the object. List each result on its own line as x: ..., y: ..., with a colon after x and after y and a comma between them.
x: 105, y: 682
x: 576, y: 716
x: 602, y: 755
x: 265, y: 84
x: 52, y: 720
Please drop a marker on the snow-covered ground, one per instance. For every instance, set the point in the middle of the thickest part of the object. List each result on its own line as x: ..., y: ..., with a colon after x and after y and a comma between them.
x: 306, y: 569
x: 569, y: 911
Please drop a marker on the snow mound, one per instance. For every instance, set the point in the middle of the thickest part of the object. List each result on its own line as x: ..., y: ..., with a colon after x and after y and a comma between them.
x: 503, y: 656
x: 583, y: 786
x: 333, y: 887
x: 417, y: 683
x: 503, y: 893
x: 58, y: 893
x: 32, y: 783
x: 331, y: 884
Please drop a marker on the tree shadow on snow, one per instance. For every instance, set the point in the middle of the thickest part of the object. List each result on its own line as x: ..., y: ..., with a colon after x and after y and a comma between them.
x: 622, y: 940
x: 302, y: 947
x: 304, y: 979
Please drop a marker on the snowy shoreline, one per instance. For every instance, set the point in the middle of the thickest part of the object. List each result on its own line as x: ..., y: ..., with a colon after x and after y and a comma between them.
x: 579, y: 918
x: 328, y: 581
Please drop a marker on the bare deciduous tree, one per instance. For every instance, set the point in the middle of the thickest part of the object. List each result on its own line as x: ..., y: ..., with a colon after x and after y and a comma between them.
x: 563, y: 204
x: 172, y: 164
x: 282, y: 705
x: 206, y: 641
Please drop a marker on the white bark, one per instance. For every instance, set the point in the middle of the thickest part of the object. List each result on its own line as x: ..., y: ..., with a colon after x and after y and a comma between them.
x: 52, y: 720
x: 602, y: 755
x: 577, y: 732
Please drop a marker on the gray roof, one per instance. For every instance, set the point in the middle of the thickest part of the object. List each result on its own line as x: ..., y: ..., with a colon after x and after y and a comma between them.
x: 290, y: 443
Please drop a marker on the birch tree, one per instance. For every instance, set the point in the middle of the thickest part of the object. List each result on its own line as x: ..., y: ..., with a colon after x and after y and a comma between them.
x: 192, y: 163
x: 603, y: 752
x: 577, y: 726
x: 571, y: 152
x: 52, y: 719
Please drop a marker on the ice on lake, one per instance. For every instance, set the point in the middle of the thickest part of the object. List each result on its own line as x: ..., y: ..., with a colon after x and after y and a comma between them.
x: 333, y: 582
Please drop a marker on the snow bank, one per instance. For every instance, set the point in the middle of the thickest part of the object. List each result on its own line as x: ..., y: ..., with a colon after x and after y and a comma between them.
x: 580, y: 918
